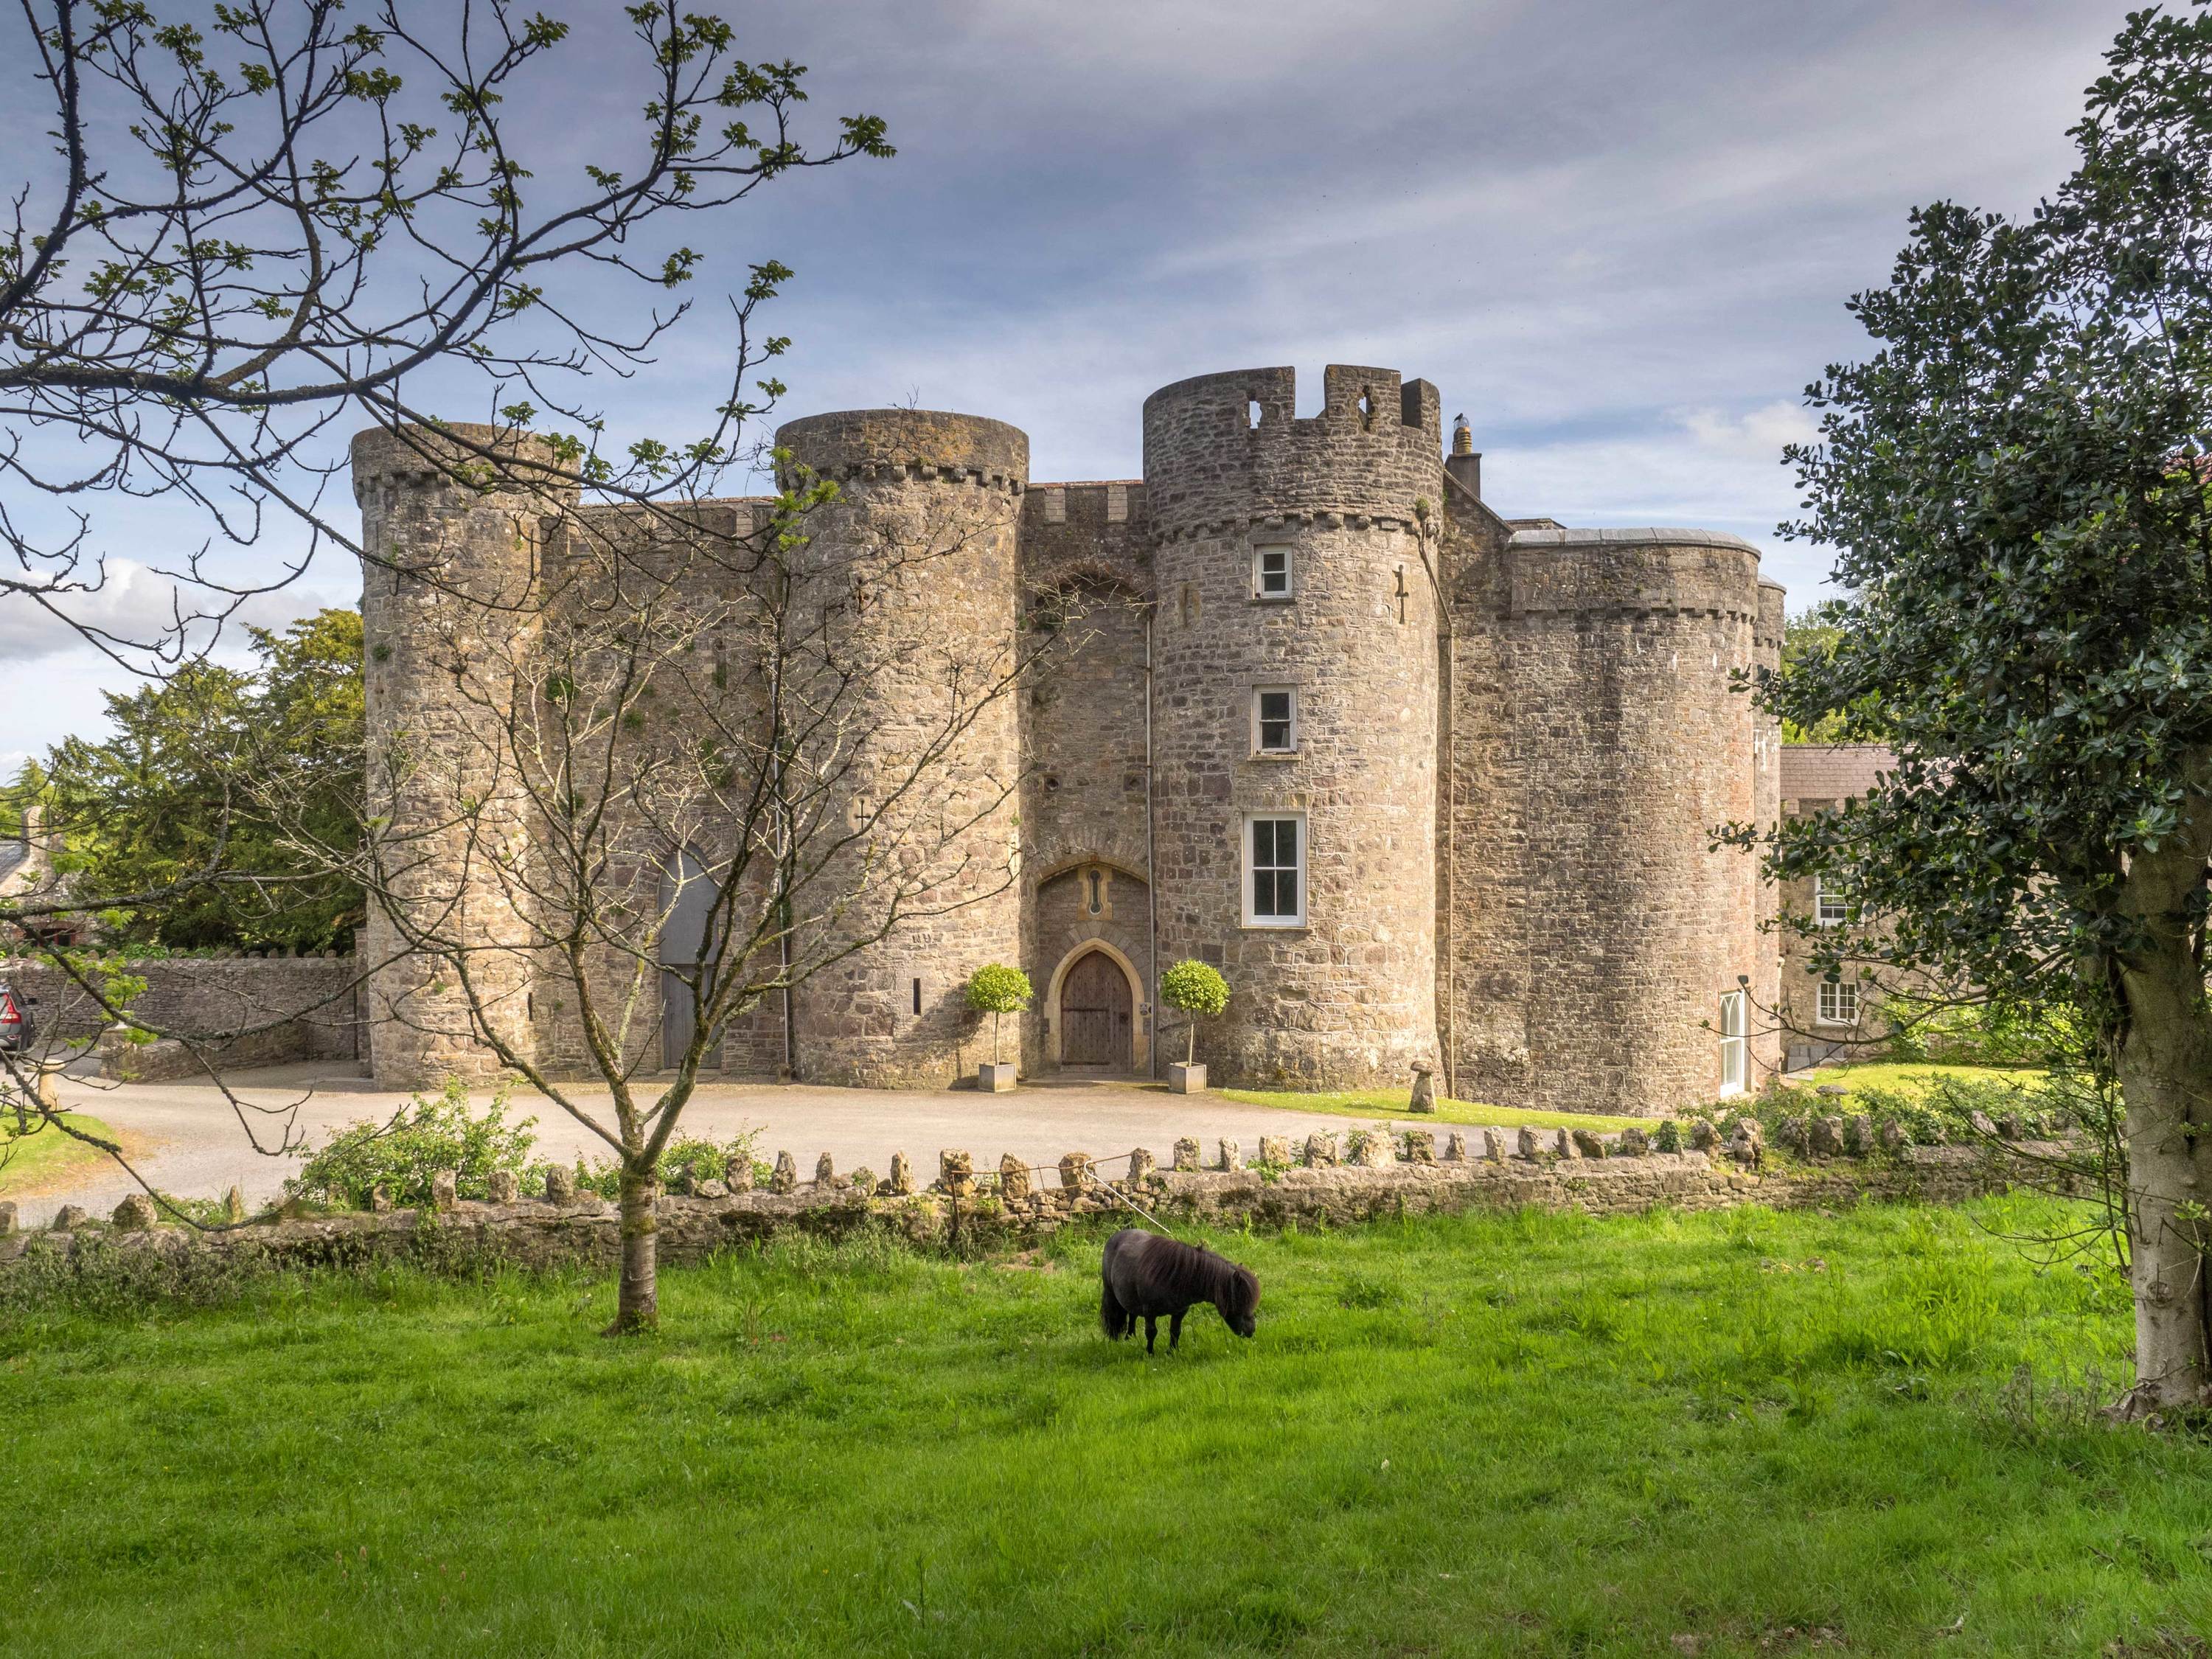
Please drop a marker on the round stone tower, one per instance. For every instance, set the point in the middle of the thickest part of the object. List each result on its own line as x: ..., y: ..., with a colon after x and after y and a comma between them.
x: 910, y: 576
x: 1296, y: 701
x: 1611, y: 959
x: 450, y: 578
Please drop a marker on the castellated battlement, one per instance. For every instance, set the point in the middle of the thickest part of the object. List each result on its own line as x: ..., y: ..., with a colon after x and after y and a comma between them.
x: 1220, y: 449
x: 921, y: 444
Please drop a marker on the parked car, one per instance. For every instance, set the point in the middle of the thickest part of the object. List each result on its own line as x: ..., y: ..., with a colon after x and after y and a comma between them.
x: 19, y: 1030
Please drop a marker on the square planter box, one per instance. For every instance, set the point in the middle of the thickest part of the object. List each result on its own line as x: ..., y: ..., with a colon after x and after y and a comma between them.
x: 1185, y: 1079
x: 996, y: 1077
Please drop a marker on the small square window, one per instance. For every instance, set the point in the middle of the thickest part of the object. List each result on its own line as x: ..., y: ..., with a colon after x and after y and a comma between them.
x: 1275, y: 895
x: 1838, y: 1002
x: 1271, y: 572
x: 1275, y: 721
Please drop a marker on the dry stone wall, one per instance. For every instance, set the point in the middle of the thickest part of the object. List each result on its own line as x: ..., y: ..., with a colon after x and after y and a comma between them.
x: 1385, y: 1176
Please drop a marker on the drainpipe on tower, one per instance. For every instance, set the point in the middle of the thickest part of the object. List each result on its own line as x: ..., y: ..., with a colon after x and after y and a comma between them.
x: 1151, y: 873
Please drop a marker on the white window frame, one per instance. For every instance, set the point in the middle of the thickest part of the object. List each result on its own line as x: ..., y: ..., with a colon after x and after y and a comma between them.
x: 1735, y: 1042
x: 1290, y: 747
x: 1824, y: 897
x: 1836, y: 1002
x: 1302, y: 865
x: 1259, y: 552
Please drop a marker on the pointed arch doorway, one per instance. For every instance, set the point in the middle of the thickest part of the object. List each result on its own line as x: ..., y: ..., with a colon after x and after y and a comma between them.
x: 1094, y: 999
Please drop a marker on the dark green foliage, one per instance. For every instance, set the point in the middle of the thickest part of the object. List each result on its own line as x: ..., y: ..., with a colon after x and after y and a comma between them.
x: 400, y: 1156
x: 1978, y: 1034
x: 228, y: 802
x: 2014, y: 481
x: 1534, y: 1434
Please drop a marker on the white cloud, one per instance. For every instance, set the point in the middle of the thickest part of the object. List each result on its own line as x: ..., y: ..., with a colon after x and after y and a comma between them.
x: 138, y: 606
x: 1758, y: 435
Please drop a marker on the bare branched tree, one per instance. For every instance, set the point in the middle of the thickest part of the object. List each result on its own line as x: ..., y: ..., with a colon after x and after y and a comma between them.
x: 259, y: 224
x: 732, y: 749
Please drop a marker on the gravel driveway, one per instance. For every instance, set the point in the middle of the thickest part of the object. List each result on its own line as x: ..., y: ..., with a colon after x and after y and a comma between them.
x: 190, y: 1140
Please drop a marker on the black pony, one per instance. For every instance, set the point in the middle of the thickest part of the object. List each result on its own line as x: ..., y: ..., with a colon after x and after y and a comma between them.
x: 1143, y: 1276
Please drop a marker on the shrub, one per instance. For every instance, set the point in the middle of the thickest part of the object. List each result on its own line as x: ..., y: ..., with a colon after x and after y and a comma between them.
x: 403, y: 1154
x: 1197, y: 989
x: 703, y: 1160
x: 1984, y: 1034
x: 997, y: 990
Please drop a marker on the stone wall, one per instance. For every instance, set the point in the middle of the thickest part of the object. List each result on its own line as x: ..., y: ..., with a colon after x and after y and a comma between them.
x: 921, y: 549
x: 1506, y: 798
x: 257, y: 1010
x: 1345, y: 997
x: 458, y: 571
x: 1417, y: 1174
x: 1598, y: 741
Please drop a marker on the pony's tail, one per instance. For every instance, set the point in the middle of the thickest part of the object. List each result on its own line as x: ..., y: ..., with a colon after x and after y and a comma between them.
x: 1113, y: 1318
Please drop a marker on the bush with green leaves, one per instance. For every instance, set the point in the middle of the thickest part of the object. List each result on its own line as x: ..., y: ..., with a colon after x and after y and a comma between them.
x: 401, y: 1154
x: 1978, y: 1034
x: 997, y: 990
x: 1198, y: 990
x: 686, y: 1157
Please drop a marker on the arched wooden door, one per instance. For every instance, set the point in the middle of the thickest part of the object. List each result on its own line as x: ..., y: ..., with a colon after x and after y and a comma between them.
x: 1094, y: 1014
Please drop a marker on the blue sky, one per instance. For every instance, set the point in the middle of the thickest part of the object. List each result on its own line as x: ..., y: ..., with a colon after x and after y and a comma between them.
x: 1617, y: 233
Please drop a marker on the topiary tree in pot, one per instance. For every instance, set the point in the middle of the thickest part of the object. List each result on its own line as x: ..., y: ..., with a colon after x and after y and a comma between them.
x: 1200, y: 991
x: 998, y: 990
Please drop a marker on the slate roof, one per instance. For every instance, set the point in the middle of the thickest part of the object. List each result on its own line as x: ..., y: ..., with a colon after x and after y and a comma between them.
x: 1832, y: 771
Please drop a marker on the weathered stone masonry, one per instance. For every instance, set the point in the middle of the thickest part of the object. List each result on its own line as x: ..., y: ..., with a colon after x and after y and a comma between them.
x: 1415, y: 1177
x: 1511, y: 741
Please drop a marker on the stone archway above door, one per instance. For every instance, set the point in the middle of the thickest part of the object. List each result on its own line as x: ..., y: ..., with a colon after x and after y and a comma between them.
x: 1106, y: 987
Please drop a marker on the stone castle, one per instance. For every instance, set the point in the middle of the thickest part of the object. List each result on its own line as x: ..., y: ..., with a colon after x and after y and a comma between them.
x: 1430, y: 786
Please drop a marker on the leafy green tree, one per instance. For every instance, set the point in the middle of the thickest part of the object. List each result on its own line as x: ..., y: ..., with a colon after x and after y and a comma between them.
x: 996, y: 989
x: 241, y: 231
x: 1197, y: 989
x: 1813, y: 633
x: 2016, y: 478
x: 231, y: 800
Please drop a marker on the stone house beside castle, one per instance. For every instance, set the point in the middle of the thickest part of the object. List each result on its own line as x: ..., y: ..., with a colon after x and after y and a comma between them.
x: 1824, y: 1019
x: 1430, y: 786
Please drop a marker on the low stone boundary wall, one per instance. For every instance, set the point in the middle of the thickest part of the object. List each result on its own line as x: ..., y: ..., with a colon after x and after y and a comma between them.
x: 292, y: 1008
x: 1383, y: 1180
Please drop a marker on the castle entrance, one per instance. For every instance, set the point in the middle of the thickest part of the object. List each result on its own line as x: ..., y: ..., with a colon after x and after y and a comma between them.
x: 1094, y: 1013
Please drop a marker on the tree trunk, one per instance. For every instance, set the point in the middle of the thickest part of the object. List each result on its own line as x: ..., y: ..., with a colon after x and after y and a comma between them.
x: 637, y: 1303
x: 2165, y: 1066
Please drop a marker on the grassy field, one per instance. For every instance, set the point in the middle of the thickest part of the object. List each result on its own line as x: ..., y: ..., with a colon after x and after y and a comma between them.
x: 1730, y: 1434
x: 1391, y: 1103
x: 37, y: 1159
x: 1905, y: 1076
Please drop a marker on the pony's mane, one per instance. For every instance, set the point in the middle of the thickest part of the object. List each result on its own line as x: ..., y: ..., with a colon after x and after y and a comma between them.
x: 1194, y: 1271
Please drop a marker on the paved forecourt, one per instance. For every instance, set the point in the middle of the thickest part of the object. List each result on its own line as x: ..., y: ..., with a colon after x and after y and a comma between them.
x: 185, y: 1138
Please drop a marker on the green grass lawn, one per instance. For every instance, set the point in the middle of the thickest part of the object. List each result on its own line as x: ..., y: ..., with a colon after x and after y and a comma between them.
x: 37, y: 1158
x: 1730, y: 1434
x: 1906, y: 1076
x: 1391, y: 1103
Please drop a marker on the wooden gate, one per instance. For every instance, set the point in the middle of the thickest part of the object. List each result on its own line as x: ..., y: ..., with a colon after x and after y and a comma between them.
x: 1094, y: 1014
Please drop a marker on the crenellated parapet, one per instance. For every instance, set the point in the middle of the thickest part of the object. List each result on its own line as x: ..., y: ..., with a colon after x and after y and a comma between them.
x: 1224, y: 450
x: 919, y: 445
